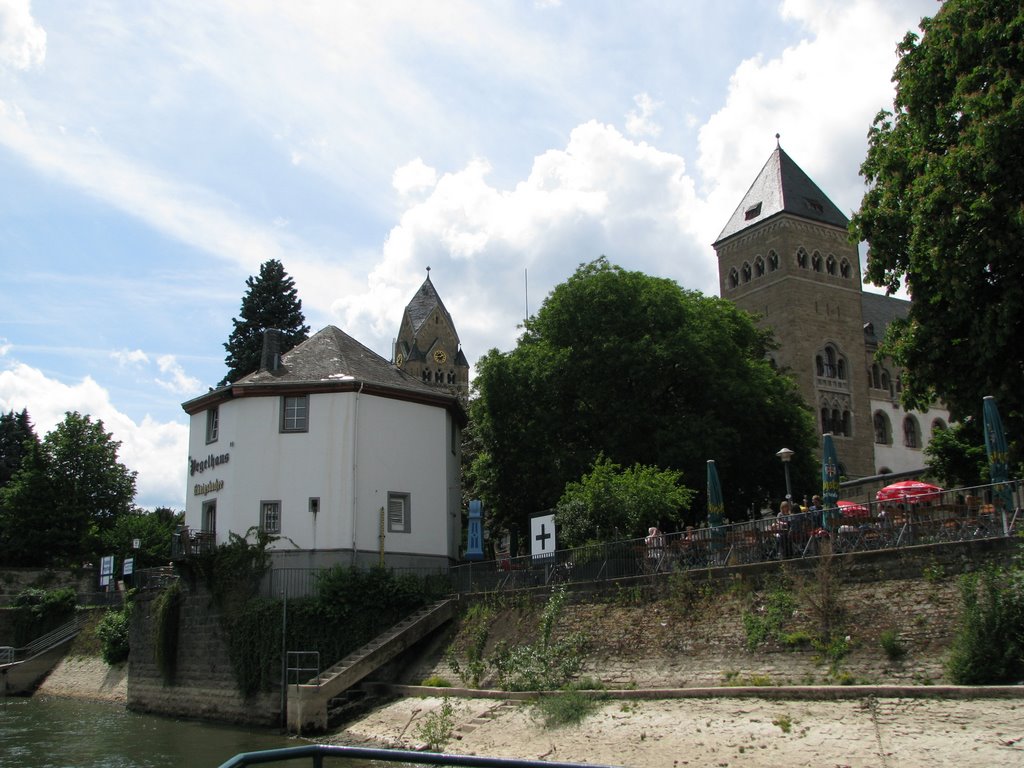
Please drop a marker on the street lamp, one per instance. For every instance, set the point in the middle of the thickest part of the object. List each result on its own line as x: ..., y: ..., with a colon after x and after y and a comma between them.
x: 785, y: 454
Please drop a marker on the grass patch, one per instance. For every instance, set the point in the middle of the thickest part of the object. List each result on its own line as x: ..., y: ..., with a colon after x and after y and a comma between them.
x: 436, y: 681
x: 890, y: 642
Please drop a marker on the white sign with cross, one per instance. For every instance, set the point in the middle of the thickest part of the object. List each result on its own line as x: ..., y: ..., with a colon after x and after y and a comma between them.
x: 542, y: 536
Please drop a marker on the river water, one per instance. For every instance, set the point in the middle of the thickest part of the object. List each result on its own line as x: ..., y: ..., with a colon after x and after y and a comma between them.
x: 45, y: 732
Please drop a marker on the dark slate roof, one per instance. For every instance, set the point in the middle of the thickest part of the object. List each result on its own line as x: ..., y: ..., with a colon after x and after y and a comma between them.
x: 423, y: 303
x: 330, y: 360
x: 878, y: 311
x: 332, y: 355
x: 782, y: 187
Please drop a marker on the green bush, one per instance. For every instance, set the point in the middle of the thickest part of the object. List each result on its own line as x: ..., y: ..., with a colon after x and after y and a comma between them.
x: 890, y: 642
x: 567, y: 708
x: 112, y: 632
x: 436, y: 728
x: 989, y: 645
x: 38, y: 611
x: 436, y: 681
x: 768, y: 622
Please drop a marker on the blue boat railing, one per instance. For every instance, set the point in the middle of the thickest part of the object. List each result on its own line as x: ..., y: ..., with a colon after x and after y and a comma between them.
x: 317, y: 752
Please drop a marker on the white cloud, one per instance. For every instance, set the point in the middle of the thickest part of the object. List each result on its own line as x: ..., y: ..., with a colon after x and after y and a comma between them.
x: 414, y: 176
x: 602, y: 195
x: 130, y: 357
x: 640, y: 123
x: 5, y: 346
x: 179, y: 383
x: 156, y: 450
x: 22, y: 40
x: 820, y: 95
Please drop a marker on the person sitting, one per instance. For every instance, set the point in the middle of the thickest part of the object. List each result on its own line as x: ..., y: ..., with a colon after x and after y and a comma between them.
x: 655, y: 542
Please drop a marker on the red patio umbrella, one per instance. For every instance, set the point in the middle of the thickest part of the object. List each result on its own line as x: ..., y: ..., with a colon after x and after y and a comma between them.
x: 910, y: 491
x: 851, y: 510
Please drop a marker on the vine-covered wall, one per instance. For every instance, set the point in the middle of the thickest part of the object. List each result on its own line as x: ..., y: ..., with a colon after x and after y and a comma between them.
x: 203, y: 684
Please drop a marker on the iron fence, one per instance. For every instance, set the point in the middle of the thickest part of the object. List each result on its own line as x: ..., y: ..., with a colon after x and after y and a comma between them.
x: 963, y: 514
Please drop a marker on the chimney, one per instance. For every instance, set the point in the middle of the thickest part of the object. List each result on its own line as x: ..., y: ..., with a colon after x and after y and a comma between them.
x: 270, y: 359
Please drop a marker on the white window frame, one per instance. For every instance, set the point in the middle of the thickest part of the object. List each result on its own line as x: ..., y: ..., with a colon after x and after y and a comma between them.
x: 270, y: 516
x: 212, y: 424
x: 291, y: 420
x: 398, y: 513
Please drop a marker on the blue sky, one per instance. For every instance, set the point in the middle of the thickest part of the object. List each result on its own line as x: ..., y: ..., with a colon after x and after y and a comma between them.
x: 153, y: 155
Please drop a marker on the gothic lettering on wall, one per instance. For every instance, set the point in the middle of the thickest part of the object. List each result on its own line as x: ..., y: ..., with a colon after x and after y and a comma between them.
x: 209, y: 462
x: 202, y: 489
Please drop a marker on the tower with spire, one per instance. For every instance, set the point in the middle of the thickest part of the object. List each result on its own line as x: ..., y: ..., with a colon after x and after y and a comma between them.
x: 428, y: 345
x: 785, y: 256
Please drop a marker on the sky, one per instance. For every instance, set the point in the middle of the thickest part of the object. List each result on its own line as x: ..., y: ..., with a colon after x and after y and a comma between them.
x: 154, y: 154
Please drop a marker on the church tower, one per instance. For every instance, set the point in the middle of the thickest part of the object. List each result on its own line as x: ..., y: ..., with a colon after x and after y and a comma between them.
x: 428, y: 345
x: 785, y: 256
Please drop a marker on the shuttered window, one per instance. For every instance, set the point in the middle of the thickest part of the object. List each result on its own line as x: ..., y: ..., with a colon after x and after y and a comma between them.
x: 398, y: 513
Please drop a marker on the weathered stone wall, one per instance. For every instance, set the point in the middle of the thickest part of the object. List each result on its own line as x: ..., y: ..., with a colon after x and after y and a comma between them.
x: 204, y: 685
x: 689, y: 631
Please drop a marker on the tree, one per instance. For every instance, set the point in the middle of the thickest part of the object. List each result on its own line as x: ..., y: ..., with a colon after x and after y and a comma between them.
x: 16, y: 435
x: 943, y: 211
x: 610, y: 502
x: 271, y: 301
x: 638, y: 369
x: 956, y: 456
x: 152, y: 529
x: 68, y: 493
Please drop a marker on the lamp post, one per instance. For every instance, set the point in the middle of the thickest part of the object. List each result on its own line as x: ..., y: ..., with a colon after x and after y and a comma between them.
x: 785, y: 454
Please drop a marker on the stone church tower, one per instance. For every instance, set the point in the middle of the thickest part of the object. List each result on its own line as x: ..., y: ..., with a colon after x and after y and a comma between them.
x: 785, y: 256
x: 428, y: 345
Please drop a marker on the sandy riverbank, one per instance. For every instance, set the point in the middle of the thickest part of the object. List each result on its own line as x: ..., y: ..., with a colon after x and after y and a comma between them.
x: 724, y: 732
x: 87, y: 677
x: 913, y: 733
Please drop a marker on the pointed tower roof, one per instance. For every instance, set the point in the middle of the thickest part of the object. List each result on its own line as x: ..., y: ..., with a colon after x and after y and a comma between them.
x: 782, y: 187
x: 423, y: 303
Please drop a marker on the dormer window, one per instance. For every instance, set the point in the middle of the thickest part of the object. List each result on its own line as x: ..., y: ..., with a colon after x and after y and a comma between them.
x: 814, y: 205
x: 752, y: 212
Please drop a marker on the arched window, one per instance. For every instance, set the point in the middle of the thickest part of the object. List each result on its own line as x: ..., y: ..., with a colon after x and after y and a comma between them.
x: 759, y: 267
x: 830, y: 265
x: 883, y: 435
x: 938, y: 425
x: 911, y: 433
x: 816, y: 262
x: 876, y: 376
x: 734, y: 278
x: 746, y: 272
x: 826, y: 420
x: 841, y: 369
x: 801, y: 257
x: 885, y: 381
x: 830, y: 362
x: 837, y: 422
x: 845, y: 270
x: 773, y: 261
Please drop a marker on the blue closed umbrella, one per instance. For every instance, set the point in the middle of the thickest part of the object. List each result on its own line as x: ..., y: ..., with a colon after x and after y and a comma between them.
x: 716, y: 506
x: 829, y: 481
x: 998, y: 459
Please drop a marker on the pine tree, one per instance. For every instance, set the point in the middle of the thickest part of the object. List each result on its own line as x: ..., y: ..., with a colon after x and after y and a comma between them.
x: 271, y: 301
x: 16, y: 438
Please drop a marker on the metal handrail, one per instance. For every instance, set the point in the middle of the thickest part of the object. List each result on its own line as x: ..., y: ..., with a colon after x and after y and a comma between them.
x: 45, y: 642
x: 317, y: 753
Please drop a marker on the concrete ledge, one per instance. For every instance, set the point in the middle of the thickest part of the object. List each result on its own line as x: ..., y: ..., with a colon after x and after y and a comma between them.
x: 790, y: 692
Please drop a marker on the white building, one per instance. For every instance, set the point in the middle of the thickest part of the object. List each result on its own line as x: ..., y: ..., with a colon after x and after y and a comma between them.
x: 340, y: 454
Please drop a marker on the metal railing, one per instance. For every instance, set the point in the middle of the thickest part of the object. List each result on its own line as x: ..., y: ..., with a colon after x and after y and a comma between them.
x: 317, y: 752
x: 946, y: 516
x: 42, y: 643
x: 186, y: 542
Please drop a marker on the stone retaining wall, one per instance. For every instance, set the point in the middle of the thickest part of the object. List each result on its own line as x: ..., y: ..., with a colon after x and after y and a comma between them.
x: 204, y: 685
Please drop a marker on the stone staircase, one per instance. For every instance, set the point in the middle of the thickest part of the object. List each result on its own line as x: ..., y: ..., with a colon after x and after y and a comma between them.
x: 308, y: 702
